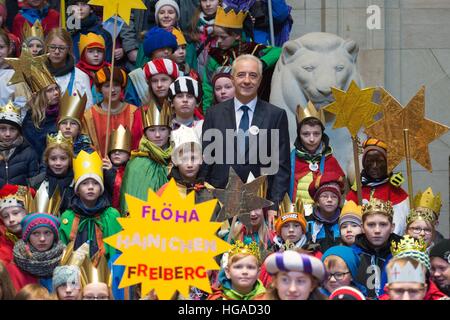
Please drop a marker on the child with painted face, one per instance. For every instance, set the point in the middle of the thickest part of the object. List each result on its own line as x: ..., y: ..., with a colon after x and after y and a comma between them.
x: 323, y: 227
x: 184, y: 95
x: 70, y: 119
x: 239, y: 281
x: 373, y: 246
x: 58, y: 156
x: 296, y: 276
x: 90, y: 216
x: 350, y: 224
x: 67, y: 282
x: 39, y: 251
x: 342, y: 265
x: 114, y: 165
x: 148, y: 167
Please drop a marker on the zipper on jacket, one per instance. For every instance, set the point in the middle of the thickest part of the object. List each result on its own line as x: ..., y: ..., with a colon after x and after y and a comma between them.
x: 6, y: 169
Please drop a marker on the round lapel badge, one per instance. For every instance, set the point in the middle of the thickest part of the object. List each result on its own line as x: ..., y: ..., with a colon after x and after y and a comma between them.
x: 254, y: 130
x: 313, y: 166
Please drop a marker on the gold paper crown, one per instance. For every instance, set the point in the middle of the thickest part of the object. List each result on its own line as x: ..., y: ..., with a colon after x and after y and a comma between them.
x: 34, y: 31
x: 286, y: 206
x: 72, y: 107
x: 59, y: 139
x: 11, y: 113
x: 40, y: 78
x: 95, y: 270
x: 310, y: 111
x: 230, y: 19
x: 239, y: 247
x: 87, y: 164
x: 428, y: 200
x: 72, y: 257
x: 153, y: 117
x: 378, y: 206
x: 43, y: 203
x: 420, y: 214
x: 408, y: 243
x: 120, y: 139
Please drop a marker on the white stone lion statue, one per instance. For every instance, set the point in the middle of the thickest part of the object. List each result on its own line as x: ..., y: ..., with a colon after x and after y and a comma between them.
x: 307, y: 69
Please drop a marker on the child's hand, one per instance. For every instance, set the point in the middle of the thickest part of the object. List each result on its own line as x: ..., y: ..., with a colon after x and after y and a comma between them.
x: 119, y: 53
x: 107, y: 165
x: 272, y: 214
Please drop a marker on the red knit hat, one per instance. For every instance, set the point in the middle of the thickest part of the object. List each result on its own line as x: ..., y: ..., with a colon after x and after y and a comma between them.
x: 328, y: 181
x: 161, y: 65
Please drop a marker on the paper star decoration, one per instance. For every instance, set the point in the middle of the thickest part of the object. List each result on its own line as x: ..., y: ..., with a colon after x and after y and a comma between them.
x: 238, y: 199
x: 422, y: 131
x: 353, y: 109
x: 22, y: 66
x: 118, y: 7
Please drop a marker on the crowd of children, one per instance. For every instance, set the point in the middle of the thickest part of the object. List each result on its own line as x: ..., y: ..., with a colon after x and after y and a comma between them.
x: 63, y: 186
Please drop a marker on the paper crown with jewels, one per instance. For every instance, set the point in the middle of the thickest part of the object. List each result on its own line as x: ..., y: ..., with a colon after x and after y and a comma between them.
x: 87, y: 165
x: 42, y: 202
x: 420, y: 214
x: 429, y: 201
x: 310, y: 112
x: 16, y: 196
x: 240, y: 248
x: 34, y: 31
x: 59, y: 139
x: 405, y: 273
x: 153, y: 117
x: 378, y: 206
x: 412, y: 248
x: 120, y: 139
x: 72, y: 107
x: 11, y: 113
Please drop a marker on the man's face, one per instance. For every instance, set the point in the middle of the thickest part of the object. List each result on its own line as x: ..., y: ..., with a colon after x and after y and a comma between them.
x: 375, y: 164
x: 440, y: 272
x: 406, y: 291
x: 377, y: 229
x: 246, y: 80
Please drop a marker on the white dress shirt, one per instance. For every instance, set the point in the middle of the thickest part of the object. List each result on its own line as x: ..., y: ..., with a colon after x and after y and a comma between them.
x: 239, y: 113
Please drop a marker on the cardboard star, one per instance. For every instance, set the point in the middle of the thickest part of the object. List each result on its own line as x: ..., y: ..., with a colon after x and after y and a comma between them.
x: 118, y: 7
x: 353, y: 109
x: 238, y: 198
x: 22, y: 66
x: 422, y: 131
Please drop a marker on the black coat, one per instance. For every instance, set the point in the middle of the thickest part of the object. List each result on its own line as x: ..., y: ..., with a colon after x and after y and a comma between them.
x: 266, y: 116
x: 22, y: 165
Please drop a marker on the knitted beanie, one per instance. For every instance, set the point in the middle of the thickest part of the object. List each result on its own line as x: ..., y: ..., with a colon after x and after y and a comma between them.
x: 221, y: 72
x: 181, y: 40
x: 158, y: 38
x: 347, y: 254
x: 66, y: 275
x: 290, y: 217
x: 293, y: 261
x: 161, y: 65
x: 36, y: 220
x: 104, y: 75
x: 162, y: 3
x: 185, y: 84
x: 328, y: 181
x: 441, y: 250
x: 351, y: 212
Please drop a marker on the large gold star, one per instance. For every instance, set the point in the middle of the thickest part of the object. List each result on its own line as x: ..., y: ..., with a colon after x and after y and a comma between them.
x: 422, y: 131
x: 353, y: 109
x: 119, y: 7
x: 22, y: 66
x: 238, y: 199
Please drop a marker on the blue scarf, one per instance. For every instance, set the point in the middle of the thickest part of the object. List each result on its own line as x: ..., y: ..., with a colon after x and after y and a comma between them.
x: 32, y: 14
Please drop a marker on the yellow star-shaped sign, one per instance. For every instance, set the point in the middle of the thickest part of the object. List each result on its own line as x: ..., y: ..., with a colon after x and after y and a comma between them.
x: 22, y: 66
x: 168, y: 243
x: 422, y: 131
x: 118, y: 7
x: 353, y: 109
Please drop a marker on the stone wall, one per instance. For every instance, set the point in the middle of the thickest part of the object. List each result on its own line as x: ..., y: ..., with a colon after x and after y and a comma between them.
x: 411, y: 49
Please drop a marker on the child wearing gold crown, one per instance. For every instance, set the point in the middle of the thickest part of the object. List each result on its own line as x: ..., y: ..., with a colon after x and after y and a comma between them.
x: 122, y: 113
x: 18, y: 160
x: 58, y: 157
x: 228, y: 29
x: 90, y: 216
x: 90, y: 24
x: 33, y: 38
x: 148, y: 167
x: 373, y: 246
x: 312, y: 155
x: 239, y: 277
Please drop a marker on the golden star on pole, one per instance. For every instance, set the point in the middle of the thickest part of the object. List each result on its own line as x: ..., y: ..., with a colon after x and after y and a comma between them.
x: 119, y: 7
x: 22, y: 66
x: 353, y: 109
x: 422, y: 131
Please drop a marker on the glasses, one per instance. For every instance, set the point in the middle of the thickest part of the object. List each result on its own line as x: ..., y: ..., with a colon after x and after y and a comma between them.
x: 337, y: 275
x: 401, y: 291
x: 96, y: 298
x: 53, y: 48
x: 418, y: 230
